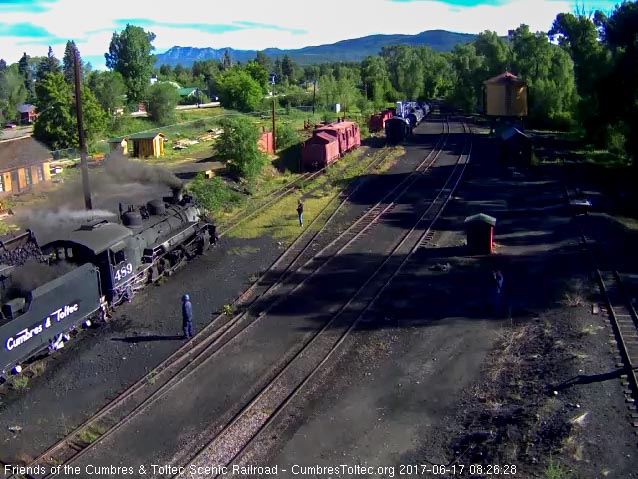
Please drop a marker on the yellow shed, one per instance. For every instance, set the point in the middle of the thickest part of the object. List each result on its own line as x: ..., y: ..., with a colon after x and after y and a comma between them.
x: 505, y: 95
x: 147, y: 144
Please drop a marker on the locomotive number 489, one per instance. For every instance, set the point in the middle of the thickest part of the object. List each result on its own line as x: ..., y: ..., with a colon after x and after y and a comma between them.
x: 123, y: 272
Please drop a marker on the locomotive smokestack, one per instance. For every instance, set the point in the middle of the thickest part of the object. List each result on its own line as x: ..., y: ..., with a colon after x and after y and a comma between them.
x: 177, y: 194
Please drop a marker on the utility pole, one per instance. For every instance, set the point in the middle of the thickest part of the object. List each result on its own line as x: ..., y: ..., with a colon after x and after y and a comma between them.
x: 78, y: 111
x: 314, y: 95
x: 274, y: 128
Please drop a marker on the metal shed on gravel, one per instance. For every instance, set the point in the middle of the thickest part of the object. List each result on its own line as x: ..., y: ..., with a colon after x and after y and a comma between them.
x: 480, y: 233
x: 515, y: 147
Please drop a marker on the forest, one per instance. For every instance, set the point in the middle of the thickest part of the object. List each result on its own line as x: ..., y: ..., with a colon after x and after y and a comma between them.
x: 582, y: 76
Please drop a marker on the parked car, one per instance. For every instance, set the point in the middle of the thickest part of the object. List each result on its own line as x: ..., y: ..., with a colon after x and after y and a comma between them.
x: 214, y: 98
x: 10, y: 125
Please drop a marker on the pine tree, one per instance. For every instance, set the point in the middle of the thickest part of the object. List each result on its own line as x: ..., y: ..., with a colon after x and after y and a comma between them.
x: 49, y: 64
x: 69, y: 62
x: 27, y: 74
x: 226, y: 61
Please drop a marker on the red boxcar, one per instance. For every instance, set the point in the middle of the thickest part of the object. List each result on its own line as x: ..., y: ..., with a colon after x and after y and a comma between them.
x: 329, y: 143
x: 377, y: 121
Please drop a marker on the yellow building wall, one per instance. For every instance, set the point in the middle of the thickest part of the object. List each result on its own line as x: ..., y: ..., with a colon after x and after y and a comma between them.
x: 22, y: 178
x: 506, y: 100
x: 519, y: 100
x: 7, y: 182
x: 46, y: 166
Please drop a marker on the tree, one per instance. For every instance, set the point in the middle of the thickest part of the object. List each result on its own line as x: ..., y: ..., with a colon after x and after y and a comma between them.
x: 549, y: 72
x: 27, y: 74
x: 288, y: 68
x: 109, y: 89
x: 166, y: 71
x: 277, y: 70
x: 3, y: 65
x: 56, y: 124
x: 495, y: 52
x: 49, y: 64
x: 258, y: 73
x: 162, y: 99
x: 466, y: 63
x: 94, y: 118
x: 579, y: 36
x: 12, y: 93
x: 437, y: 73
x: 237, y: 145
x: 264, y: 61
x: 237, y: 90
x: 130, y: 55
x: 68, y: 62
x: 226, y: 61
x: 374, y: 75
x: 619, y: 89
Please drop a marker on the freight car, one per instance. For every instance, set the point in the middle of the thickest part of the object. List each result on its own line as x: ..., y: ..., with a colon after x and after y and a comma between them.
x: 377, y: 121
x: 329, y: 143
x: 408, y: 115
x: 49, y: 291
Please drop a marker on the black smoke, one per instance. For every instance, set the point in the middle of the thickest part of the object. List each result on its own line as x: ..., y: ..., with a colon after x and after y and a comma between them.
x: 124, y: 169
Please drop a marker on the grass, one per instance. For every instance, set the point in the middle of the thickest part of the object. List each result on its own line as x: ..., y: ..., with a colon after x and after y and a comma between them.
x: 91, y: 434
x: 20, y: 383
x: 555, y: 471
x: 6, y: 228
x: 280, y: 219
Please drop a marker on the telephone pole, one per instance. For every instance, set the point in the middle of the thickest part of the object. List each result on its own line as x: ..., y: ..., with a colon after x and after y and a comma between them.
x: 78, y: 111
x: 314, y: 95
x: 274, y: 126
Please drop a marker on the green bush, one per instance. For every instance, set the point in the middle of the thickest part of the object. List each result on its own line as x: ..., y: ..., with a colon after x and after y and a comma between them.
x: 162, y: 99
x: 212, y: 193
x: 237, y: 145
x: 286, y: 136
x: 615, y: 139
x: 561, y: 121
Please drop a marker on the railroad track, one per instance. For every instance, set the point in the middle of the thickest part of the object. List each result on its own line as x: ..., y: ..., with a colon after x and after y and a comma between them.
x: 234, y: 438
x: 241, y: 217
x: 621, y: 312
x: 185, y: 360
x: 274, y: 196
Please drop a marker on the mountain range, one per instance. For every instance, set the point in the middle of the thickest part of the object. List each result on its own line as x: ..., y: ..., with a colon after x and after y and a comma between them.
x: 352, y: 50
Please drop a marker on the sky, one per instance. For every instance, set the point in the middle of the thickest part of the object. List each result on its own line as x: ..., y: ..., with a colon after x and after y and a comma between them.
x: 32, y: 25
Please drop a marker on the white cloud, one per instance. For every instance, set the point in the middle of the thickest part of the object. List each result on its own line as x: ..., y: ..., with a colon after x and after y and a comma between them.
x: 70, y: 19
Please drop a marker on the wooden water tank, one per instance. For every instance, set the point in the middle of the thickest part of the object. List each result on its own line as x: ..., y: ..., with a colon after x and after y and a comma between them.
x: 505, y: 95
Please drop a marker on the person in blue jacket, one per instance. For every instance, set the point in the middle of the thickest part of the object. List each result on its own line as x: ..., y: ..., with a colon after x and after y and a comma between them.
x: 187, y: 316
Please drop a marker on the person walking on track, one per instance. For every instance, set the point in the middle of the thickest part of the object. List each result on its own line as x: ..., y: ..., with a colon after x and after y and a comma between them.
x: 187, y: 316
x: 498, y: 291
x: 300, y: 212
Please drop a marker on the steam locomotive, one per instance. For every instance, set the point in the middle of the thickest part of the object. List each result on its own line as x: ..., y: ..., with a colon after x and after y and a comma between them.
x: 47, y: 292
x: 408, y: 115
